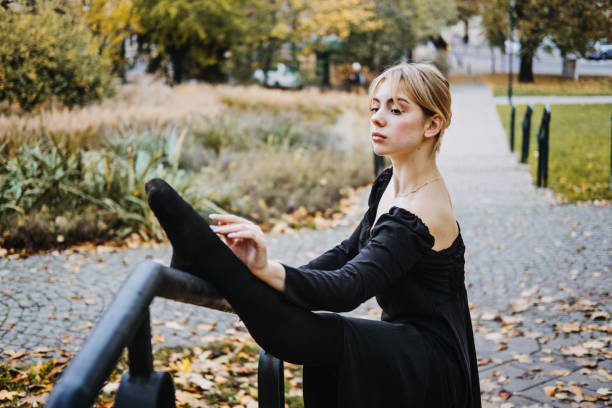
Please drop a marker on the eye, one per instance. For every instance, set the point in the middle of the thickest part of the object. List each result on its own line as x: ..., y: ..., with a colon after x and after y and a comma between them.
x: 396, y: 111
x: 373, y: 109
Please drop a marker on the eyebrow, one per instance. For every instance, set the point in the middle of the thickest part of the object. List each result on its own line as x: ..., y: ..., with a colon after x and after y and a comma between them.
x: 391, y: 100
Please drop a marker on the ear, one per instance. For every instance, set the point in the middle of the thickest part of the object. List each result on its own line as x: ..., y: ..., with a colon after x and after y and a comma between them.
x: 433, y: 126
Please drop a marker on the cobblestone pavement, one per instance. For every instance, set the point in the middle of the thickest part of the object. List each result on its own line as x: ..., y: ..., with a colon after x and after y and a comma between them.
x: 519, y: 100
x: 533, y: 268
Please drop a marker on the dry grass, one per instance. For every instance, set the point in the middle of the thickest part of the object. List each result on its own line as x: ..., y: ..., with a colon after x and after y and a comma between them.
x: 285, y: 149
x: 543, y: 85
x: 155, y: 106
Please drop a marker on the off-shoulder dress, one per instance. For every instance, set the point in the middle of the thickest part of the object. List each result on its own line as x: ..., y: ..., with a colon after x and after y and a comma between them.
x: 421, y: 353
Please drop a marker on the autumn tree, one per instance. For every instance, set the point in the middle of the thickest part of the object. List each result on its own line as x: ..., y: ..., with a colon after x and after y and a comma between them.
x: 192, y: 34
x: 467, y: 9
x: 398, y: 26
x: 48, y: 53
x: 575, y: 23
x: 113, y: 22
x: 532, y: 21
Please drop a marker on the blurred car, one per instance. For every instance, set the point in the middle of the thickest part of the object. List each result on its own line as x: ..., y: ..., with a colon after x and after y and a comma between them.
x: 600, y: 50
x: 282, y: 78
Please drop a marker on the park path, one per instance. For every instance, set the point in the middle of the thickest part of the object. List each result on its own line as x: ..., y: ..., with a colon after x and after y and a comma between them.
x: 521, y: 100
x: 529, y: 262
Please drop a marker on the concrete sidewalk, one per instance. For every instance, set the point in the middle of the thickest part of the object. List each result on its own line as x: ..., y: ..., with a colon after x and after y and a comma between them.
x: 522, y: 100
x: 537, y: 273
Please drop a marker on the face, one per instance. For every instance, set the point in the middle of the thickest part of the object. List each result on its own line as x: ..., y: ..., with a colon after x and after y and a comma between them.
x: 399, y: 129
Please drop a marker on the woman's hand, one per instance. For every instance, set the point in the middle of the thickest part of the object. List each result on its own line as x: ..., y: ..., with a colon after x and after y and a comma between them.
x: 245, y: 239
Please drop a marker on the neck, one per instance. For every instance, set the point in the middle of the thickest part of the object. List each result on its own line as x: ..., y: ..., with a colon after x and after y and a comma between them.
x: 412, y: 171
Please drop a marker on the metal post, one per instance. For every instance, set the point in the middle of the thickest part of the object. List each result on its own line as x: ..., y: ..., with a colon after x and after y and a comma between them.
x: 526, y: 125
x: 140, y: 353
x: 543, y: 141
x: 510, y: 54
x: 270, y: 381
x: 512, y: 116
x: 610, y: 152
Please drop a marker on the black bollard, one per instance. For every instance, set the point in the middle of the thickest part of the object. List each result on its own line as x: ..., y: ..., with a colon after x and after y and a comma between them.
x: 141, y: 386
x: 543, y: 139
x: 512, y: 116
x: 270, y: 381
x: 526, y: 125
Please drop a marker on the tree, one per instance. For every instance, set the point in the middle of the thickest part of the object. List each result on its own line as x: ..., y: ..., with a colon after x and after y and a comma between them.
x: 467, y: 9
x: 532, y: 19
x: 113, y: 23
x: 399, y: 25
x: 575, y: 24
x: 48, y: 53
x: 193, y: 34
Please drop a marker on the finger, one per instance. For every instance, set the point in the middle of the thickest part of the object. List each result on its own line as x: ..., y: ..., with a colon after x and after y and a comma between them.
x: 250, y: 235
x: 229, y: 218
x: 225, y: 229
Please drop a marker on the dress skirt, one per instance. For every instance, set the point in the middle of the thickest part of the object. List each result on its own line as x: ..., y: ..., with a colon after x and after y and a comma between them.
x: 387, y: 365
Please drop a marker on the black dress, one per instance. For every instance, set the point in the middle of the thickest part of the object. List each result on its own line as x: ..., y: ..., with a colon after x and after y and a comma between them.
x: 421, y: 353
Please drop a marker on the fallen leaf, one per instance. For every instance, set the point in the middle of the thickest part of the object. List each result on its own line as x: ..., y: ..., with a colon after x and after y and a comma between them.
x: 110, y: 387
x: 576, y: 391
x: 604, y: 391
x: 504, y: 395
x: 577, y: 351
x: 550, y: 391
x: 175, y: 326
x: 34, y: 400
x: 562, y: 373
x: 6, y: 395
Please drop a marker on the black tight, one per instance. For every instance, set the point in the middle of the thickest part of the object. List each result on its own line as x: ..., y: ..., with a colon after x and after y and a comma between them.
x: 283, y: 329
x: 280, y: 327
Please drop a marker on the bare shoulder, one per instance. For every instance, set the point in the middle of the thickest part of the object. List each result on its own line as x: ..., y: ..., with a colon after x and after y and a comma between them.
x: 439, y: 218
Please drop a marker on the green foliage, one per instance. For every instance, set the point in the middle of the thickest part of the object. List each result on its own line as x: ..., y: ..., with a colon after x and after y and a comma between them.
x: 54, y: 182
x: 579, y: 161
x: 191, y: 31
x: 577, y: 22
x: 48, y: 53
x: 400, y: 26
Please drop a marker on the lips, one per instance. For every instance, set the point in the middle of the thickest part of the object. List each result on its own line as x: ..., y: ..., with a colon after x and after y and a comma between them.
x: 378, y: 137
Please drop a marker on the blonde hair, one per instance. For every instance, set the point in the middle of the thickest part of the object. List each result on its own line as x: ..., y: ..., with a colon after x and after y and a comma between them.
x: 425, y: 85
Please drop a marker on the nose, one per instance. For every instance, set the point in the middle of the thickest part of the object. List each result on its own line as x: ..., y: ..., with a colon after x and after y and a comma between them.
x: 377, y: 119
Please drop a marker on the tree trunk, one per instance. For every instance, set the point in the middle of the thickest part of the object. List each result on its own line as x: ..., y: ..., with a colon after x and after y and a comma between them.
x: 324, y: 57
x: 177, y: 58
x: 466, y: 33
x: 526, y: 71
x: 492, y: 60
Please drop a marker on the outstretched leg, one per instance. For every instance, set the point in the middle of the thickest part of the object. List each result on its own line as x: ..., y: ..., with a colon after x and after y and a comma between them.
x: 282, y: 328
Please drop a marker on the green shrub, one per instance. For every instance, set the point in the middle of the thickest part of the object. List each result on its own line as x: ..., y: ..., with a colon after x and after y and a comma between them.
x: 51, y: 188
x: 47, y: 53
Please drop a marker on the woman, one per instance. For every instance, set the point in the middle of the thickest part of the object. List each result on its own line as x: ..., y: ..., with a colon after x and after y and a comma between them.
x: 407, y: 251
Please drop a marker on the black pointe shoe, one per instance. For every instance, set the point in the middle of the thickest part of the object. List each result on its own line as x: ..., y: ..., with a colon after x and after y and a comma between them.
x: 189, y: 233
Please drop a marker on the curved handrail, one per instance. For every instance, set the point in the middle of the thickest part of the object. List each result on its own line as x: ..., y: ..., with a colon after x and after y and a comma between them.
x: 118, y: 326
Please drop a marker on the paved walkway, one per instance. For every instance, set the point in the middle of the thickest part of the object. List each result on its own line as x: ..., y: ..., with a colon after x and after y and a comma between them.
x: 521, y: 100
x: 534, y: 269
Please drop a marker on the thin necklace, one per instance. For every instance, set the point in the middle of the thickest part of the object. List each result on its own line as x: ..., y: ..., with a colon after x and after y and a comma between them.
x: 418, y: 188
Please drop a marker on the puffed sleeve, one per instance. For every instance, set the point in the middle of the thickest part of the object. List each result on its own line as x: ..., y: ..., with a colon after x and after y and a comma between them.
x: 398, y: 241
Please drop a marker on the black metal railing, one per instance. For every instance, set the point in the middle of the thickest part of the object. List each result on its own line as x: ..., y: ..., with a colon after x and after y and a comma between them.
x: 526, y: 125
x: 512, y: 117
x: 543, y: 138
x: 126, y: 323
